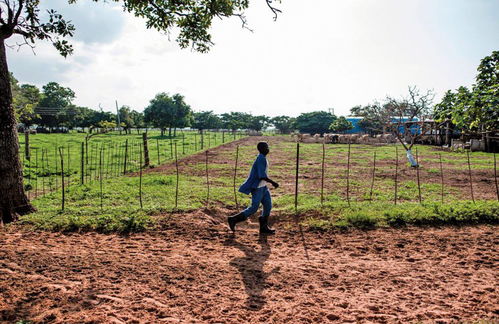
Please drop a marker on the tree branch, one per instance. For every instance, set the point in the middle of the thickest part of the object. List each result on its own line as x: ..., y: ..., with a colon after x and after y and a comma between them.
x: 18, y: 13
x: 273, y: 9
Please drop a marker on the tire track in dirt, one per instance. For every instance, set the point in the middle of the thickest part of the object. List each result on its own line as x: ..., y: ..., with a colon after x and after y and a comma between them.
x: 194, y: 271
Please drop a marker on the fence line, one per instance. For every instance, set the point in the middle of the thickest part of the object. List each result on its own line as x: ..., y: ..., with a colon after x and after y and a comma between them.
x: 100, y: 168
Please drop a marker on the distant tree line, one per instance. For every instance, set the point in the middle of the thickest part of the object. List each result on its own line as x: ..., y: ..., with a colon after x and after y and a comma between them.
x: 52, y: 107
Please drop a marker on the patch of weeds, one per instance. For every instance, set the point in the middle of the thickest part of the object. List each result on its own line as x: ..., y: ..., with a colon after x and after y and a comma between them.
x: 361, y: 219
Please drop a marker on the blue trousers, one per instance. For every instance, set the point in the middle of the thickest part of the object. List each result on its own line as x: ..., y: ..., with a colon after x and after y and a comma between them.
x: 259, y: 196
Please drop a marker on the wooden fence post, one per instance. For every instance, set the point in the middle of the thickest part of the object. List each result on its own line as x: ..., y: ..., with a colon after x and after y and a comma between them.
x: 56, y: 168
x: 396, y: 174
x: 62, y: 177
x: 373, y: 175
x: 146, y: 150
x: 171, y: 149
x: 43, y: 172
x: 417, y: 175
x: 140, y: 178
x: 183, y: 143
x: 441, y: 177
x: 69, y: 167
x: 86, y: 150
x: 157, y: 147
x: 235, y: 175
x: 26, y: 146
x: 296, y: 176
x: 125, y: 157
x: 176, y: 186
x: 348, y: 173
x: 322, y: 172
x: 471, y: 180
x: 207, y: 182
x: 108, y: 162
x: 495, y: 176
x: 101, y: 153
x: 37, y: 172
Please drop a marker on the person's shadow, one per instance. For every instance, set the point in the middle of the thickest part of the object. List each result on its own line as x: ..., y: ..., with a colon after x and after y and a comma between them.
x: 251, y: 268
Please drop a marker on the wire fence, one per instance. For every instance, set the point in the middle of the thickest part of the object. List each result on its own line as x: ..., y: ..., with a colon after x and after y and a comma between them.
x: 111, y: 160
x: 91, y: 161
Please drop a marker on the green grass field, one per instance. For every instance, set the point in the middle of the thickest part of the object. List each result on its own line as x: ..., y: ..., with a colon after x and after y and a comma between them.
x: 42, y: 173
x: 121, y: 210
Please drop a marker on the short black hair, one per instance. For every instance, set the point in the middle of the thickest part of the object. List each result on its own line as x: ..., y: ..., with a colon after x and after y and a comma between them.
x: 261, y: 145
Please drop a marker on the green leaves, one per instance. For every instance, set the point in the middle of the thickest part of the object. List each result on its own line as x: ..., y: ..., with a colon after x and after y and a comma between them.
x: 193, y: 18
x: 167, y: 112
x: 315, y: 122
x: 478, y: 108
x: 340, y: 125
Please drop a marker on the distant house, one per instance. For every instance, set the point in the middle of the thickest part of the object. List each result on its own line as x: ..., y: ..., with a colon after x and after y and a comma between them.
x: 356, y: 128
x: 415, y: 128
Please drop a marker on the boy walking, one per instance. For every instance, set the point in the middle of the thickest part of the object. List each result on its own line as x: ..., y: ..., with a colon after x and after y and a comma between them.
x: 256, y: 184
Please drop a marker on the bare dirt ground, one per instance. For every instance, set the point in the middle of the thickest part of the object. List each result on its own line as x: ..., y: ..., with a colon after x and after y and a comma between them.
x: 195, y: 271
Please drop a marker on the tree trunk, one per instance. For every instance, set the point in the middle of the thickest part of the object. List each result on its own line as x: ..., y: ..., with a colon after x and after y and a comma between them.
x: 175, y: 131
x: 13, y: 200
x: 170, y: 132
x: 162, y: 132
x: 447, y: 133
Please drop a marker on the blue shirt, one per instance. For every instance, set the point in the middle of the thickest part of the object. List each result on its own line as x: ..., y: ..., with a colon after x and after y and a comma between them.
x: 258, y: 171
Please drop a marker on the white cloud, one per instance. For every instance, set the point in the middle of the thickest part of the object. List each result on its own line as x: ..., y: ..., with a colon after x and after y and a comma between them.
x: 329, y: 54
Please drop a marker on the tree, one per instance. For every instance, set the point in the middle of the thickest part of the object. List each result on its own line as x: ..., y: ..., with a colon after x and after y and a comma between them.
x: 235, y: 120
x: 475, y: 110
x: 22, y: 17
x: 25, y: 98
x: 284, y: 124
x: 74, y: 116
x: 408, y: 116
x: 315, y: 122
x: 341, y: 125
x: 182, y: 115
x: 206, y: 120
x: 160, y: 112
x: 137, y: 119
x: 54, y: 99
x: 375, y: 117
x: 258, y: 123
x: 56, y: 96
x: 484, y: 110
x: 126, y: 118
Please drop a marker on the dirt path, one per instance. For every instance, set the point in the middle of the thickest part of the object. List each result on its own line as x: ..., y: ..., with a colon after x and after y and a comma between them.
x: 196, y: 272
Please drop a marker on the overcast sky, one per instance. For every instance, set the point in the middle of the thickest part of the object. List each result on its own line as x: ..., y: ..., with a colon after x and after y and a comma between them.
x: 319, y: 54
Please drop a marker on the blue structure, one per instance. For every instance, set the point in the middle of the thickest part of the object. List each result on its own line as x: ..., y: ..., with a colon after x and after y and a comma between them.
x: 415, y: 129
x: 356, y: 128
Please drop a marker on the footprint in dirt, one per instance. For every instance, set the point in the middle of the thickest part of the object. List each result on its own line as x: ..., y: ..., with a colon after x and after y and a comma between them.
x: 250, y: 266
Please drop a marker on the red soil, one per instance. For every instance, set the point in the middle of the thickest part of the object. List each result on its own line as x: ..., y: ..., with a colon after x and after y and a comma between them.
x: 194, y: 271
